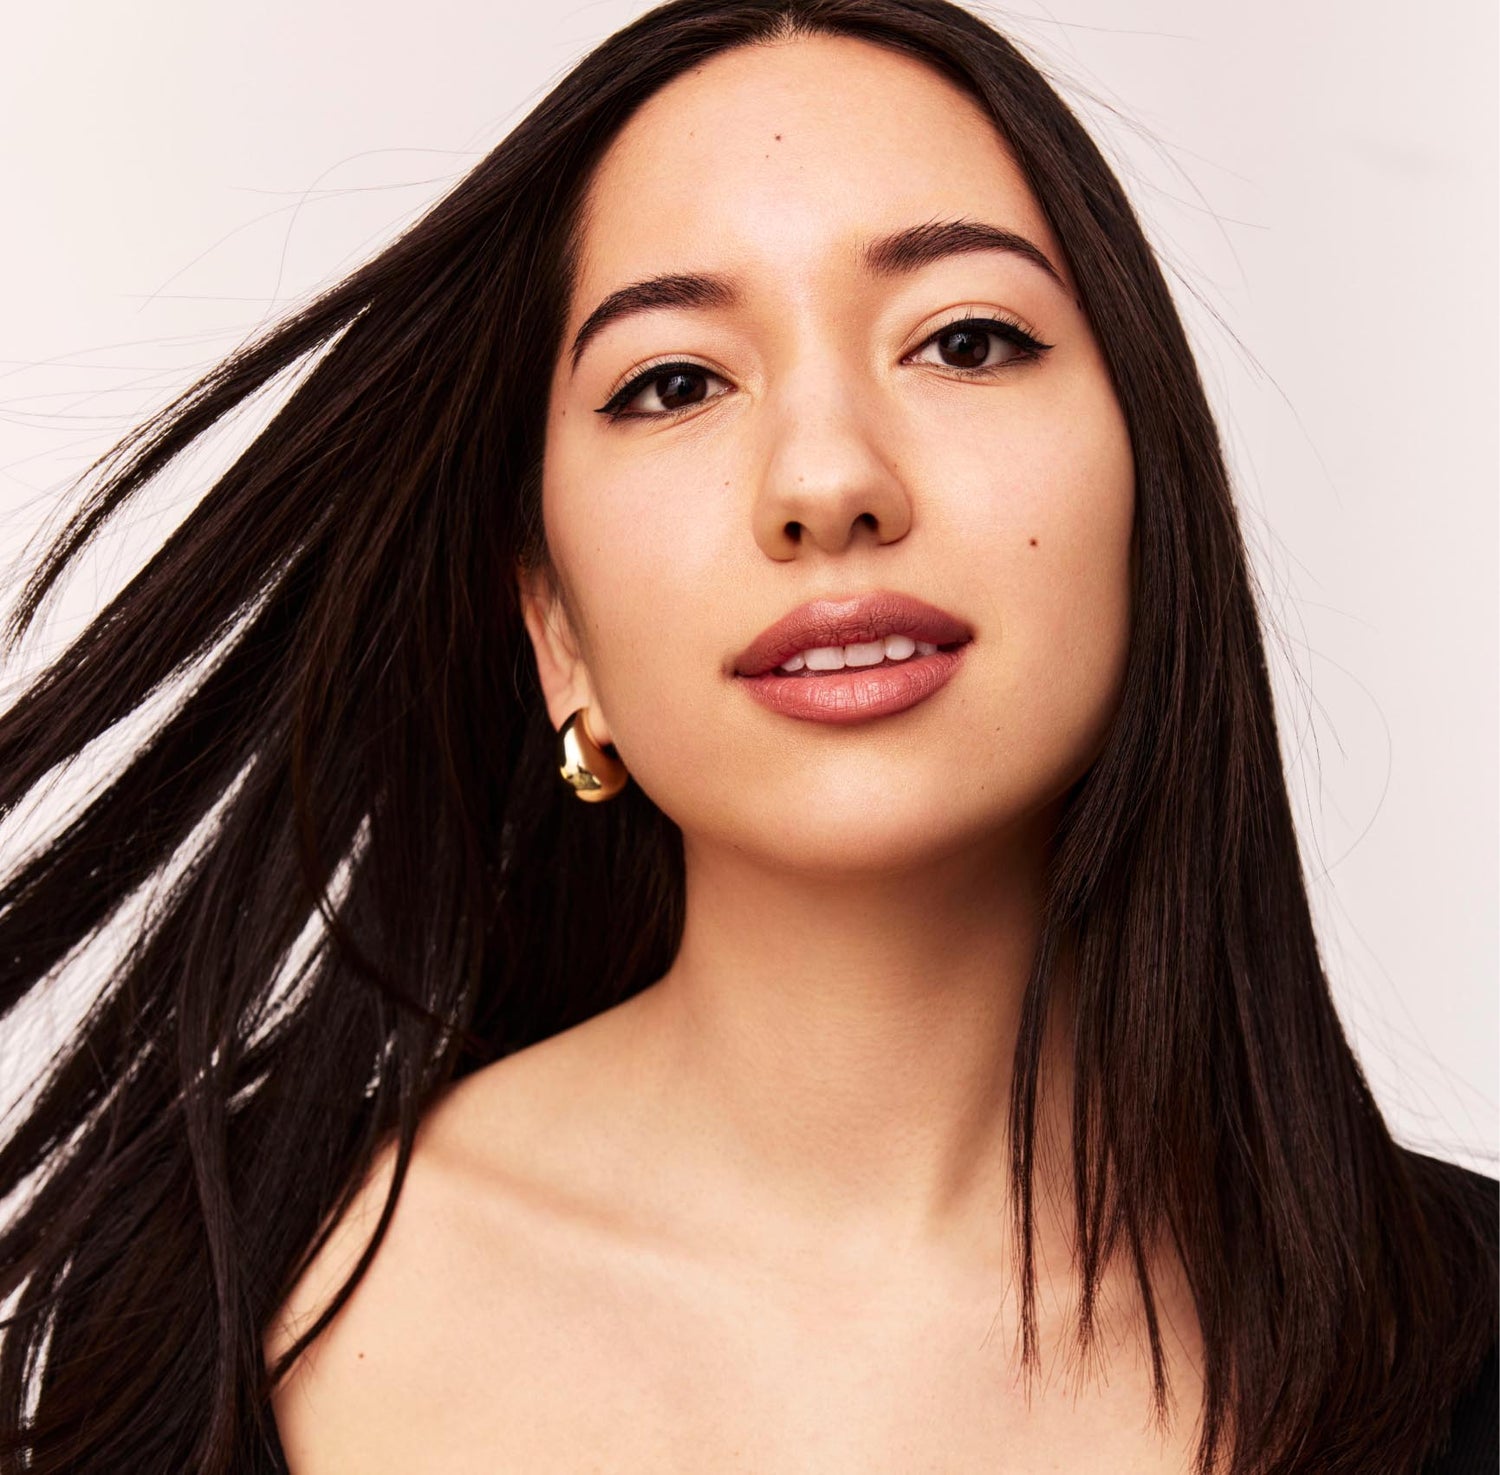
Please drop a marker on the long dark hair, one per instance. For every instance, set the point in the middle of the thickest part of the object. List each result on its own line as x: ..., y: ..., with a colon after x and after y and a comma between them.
x: 351, y: 719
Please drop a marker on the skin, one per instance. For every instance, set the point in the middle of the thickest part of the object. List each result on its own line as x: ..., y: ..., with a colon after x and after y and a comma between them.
x: 760, y: 1211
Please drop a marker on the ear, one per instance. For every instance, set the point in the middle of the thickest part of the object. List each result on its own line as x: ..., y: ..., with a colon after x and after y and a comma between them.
x: 560, y: 667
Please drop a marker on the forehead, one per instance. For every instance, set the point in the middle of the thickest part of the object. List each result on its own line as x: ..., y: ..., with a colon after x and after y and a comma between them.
x: 776, y: 159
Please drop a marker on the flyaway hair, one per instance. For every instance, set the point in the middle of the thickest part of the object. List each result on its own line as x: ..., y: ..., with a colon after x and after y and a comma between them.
x: 365, y: 880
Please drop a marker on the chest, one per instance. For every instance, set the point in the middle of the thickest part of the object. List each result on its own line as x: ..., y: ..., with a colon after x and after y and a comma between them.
x: 582, y: 1372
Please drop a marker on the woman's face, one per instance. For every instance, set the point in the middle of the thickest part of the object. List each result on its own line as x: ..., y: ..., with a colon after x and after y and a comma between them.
x: 829, y: 441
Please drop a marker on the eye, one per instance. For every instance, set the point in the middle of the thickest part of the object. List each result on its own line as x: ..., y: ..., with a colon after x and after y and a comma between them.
x: 971, y: 339
x: 674, y: 384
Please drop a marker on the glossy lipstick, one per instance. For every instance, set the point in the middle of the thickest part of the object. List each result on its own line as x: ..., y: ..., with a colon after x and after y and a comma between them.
x: 855, y: 693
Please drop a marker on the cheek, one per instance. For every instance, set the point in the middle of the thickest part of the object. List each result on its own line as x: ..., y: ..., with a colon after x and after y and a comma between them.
x: 646, y: 555
x: 1080, y: 582
x: 1057, y: 511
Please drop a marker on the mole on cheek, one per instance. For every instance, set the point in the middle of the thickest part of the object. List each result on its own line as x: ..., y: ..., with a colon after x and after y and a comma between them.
x: 1033, y: 542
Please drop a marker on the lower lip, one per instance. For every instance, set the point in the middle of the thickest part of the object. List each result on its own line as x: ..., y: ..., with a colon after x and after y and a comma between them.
x: 856, y: 693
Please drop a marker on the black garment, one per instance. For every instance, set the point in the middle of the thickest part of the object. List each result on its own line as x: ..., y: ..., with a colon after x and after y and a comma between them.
x: 1475, y: 1446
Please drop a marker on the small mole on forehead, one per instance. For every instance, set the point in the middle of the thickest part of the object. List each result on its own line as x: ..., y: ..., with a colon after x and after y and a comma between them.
x: 1033, y: 542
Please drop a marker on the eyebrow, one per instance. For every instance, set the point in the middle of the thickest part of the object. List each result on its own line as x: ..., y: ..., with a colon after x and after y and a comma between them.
x: 897, y: 254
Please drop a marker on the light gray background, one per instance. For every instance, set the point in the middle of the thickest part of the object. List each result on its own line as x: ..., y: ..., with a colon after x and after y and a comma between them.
x: 1321, y: 180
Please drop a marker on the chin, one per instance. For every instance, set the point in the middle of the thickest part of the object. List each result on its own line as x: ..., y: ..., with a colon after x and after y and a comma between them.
x: 875, y: 831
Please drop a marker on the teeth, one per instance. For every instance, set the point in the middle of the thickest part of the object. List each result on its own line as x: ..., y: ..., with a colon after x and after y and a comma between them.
x: 862, y: 653
x: 868, y: 653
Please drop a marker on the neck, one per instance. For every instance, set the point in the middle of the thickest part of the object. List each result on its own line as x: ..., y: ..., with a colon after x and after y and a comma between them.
x: 835, y: 1053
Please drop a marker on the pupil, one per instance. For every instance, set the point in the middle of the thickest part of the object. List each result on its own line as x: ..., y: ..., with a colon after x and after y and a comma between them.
x: 677, y: 377
x: 976, y: 337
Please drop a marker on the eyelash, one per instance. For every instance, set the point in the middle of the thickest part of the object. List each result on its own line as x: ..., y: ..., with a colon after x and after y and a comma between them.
x: 1030, y: 349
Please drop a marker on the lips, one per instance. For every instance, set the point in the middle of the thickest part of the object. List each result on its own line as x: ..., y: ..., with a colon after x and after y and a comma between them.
x: 855, y: 694
x: 866, y: 617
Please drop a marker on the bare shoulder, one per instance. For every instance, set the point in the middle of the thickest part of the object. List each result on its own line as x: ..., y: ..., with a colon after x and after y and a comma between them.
x: 457, y: 1284
x: 311, y: 1403
x: 552, y: 1295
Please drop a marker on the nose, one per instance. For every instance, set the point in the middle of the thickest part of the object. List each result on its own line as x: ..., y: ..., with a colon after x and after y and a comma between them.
x: 828, y: 478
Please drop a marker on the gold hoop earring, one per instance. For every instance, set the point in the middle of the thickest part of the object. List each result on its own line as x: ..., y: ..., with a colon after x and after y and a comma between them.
x: 592, y: 773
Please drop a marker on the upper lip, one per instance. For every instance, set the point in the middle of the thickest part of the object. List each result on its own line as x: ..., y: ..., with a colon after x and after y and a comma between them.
x: 862, y: 617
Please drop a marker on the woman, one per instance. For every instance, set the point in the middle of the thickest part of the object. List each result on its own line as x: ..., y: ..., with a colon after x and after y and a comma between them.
x: 914, y: 1053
